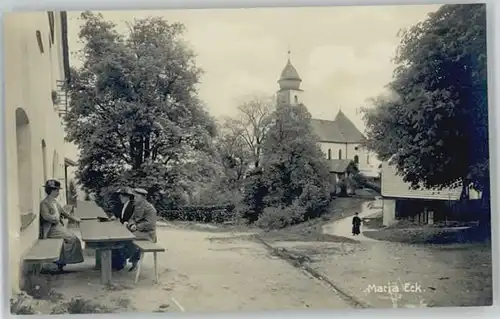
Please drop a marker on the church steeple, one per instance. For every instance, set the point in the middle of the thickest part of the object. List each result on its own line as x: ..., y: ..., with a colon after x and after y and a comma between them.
x: 289, y: 79
x: 289, y: 83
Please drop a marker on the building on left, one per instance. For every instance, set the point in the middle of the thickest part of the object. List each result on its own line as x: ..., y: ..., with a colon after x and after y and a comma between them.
x: 36, y: 60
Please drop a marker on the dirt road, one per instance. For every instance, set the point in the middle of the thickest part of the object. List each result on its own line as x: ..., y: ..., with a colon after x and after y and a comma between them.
x: 204, y: 272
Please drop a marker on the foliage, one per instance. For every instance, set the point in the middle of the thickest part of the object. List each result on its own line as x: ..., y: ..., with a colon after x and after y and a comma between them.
x: 281, y: 217
x: 22, y: 304
x: 237, y: 153
x: 72, y: 192
x: 250, y: 127
x: 84, y: 306
x: 294, y: 173
x: 134, y: 111
x: 219, y: 192
x: 254, y: 192
x: 206, y: 214
x: 434, y: 123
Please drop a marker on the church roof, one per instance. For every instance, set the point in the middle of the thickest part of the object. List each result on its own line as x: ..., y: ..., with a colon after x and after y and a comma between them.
x: 290, y: 73
x: 340, y: 130
x: 339, y: 165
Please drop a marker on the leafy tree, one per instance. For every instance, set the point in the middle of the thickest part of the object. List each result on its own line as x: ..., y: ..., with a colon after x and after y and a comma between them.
x: 434, y: 122
x: 237, y: 151
x: 294, y: 169
x: 233, y: 152
x: 72, y: 192
x: 255, y: 117
x: 134, y: 112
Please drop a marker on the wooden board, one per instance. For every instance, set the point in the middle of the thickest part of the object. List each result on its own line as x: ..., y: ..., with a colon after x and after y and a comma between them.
x: 147, y: 246
x: 88, y: 210
x: 112, y: 231
x: 45, y: 250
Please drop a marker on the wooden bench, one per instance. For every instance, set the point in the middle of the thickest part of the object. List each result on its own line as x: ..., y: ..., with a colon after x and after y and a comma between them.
x: 146, y: 246
x: 43, y: 251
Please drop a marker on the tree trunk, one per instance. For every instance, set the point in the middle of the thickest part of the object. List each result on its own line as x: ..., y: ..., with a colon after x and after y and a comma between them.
x: 147, y: 147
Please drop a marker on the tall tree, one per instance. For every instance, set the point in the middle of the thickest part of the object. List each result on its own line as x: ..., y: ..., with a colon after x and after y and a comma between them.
x: 134, y: 112
x: 434, y: 123
x: 254, y: 118
x: 294, y: 169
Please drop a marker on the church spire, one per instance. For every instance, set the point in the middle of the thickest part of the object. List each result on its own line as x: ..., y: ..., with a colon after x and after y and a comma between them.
x: 289, y: 78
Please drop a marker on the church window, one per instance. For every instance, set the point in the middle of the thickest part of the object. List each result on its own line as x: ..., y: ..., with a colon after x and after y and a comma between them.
x: 340, y: 154
x: 329, y: 154
x: 368, y: 159
x: 356, y: 159
x: 296, y: 99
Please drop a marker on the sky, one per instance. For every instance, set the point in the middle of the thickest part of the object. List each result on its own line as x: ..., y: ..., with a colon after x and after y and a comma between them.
x: 343, y: 54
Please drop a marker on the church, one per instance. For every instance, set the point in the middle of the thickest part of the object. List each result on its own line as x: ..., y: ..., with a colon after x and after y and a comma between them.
x: 340, y: 140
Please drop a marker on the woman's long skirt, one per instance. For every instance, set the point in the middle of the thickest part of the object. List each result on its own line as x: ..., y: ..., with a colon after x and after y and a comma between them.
x: 355, y: 230
x: 72, y: 252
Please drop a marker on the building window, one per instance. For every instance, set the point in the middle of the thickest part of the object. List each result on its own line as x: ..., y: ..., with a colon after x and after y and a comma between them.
x: 356, y: 148
x: 39, y: 40
x: 329, y: 154
x: 368, y: 159
x: 356, y: 159
x: 340, y: 154
x: 51, y: 26
x: 296, y: 99
x: 24, y: 168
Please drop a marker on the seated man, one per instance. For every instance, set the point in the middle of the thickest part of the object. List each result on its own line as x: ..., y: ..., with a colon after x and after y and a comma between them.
x: 142, y: 223
x: 123, y: 214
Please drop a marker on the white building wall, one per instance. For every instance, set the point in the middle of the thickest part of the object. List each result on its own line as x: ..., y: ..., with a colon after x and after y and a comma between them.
x: 393, y: 185
x: 388, y: 212
x: 30, y: 77
x: 368, y: 162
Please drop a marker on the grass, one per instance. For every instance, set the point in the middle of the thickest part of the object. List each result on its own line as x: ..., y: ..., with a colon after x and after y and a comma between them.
x: 431, y: 235
x: 373, y: 223
x: 312, y: 230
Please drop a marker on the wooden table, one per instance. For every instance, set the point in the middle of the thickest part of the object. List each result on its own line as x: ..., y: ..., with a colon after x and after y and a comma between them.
x: 104, y: 237
x: 86, y: 210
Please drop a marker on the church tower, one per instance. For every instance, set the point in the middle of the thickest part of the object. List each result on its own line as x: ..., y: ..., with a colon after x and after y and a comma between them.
x: 289, y: 92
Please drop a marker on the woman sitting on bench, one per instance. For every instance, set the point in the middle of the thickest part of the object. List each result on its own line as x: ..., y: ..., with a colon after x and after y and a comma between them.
x: 52, y: 226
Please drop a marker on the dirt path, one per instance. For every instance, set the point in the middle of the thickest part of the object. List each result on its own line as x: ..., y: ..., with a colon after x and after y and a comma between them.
x: 204, y: 272
x: 343, y: 227
x: 448, y: 275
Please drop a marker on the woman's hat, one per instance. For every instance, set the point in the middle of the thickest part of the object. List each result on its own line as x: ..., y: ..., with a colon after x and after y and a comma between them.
x: 53, y: 184
x: 141, y: 191
x: 125, y: 191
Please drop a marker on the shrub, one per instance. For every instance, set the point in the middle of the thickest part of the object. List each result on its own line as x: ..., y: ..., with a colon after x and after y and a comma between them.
x: 206, y: 214
x: 253, y: 201
x: 281, y: 217
x: 83, y: 306
x: 315, y: 201
x: 22, y: 304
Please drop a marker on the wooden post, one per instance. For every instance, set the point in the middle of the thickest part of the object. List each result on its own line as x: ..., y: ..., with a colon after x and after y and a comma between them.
x: 106, y: 266
x: 97, y: 259
x: 155, y: 257
x: 137, y: 274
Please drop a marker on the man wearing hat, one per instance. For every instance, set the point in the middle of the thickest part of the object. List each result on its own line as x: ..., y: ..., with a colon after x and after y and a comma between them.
x: 127, y: 197
x: 142, y: 223
x: 52, y: 226
x: 119, y: 256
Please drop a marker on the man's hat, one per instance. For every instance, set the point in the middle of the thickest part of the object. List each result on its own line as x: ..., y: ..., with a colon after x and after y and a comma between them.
x: 53, y: 184
x: 125, y: 191
x: 141, y: 191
